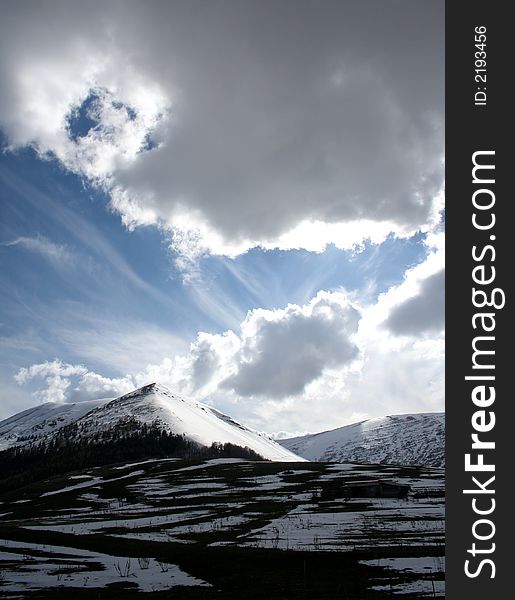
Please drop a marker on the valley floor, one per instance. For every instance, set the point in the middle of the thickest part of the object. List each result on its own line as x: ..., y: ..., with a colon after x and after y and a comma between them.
x: 225, y: 529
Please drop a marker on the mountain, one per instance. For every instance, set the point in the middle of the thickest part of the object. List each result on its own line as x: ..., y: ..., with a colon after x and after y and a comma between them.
x: 150, y: 406
x: 43, y: 420
x: 417, y: 439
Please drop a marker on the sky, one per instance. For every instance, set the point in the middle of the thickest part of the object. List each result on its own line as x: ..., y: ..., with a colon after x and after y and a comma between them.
x: 240, y: 199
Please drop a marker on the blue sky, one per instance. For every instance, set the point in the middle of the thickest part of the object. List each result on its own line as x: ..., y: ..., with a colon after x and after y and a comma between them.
x: 267, y: 277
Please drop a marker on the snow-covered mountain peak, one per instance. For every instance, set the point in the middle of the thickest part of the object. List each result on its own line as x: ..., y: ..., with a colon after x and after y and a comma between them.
x: 147, y: 390
x: 151, y: 405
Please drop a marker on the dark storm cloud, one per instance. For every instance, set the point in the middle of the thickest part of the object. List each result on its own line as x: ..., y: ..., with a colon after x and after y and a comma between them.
x: 422, y: 313
x: 277, y: 112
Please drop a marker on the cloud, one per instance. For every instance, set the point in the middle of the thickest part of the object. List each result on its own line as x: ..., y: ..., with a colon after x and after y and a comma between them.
x: 93, y: 385
x: 282, y: 351
x: 421, y: 283
x: 424, y: 312
x: 57, y: 254
x: 277, y: 354
x: 48, y: 369
x: 58, y: 377
x: 237, y: 124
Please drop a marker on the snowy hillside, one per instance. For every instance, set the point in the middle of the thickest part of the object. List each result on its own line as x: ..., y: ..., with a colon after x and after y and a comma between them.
x: 149, y: 405
x: 42, y: 420
x: 417, y: 439
x: 195, y: 420
x: 216, y: 526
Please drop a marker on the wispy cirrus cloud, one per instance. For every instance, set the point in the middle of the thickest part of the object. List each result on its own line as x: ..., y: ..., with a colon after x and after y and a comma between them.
x: 83, y: 232
x: 58, y: 254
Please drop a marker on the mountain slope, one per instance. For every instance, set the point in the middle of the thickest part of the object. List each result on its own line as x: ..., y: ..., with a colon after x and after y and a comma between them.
x: 150, y: 405
x: 417, y: 439
x: 40, y: 421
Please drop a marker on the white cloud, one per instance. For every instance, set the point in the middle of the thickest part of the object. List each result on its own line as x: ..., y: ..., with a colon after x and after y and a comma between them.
x: 56, y: 375
x: 93, y: 385
x: 422, y: 283
x: 57, y: 254
x: 48, y: 369
x: 264, y: 122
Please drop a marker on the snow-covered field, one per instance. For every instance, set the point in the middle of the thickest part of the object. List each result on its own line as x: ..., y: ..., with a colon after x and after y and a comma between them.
x: 167, y: 510
x: 28, y: 566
